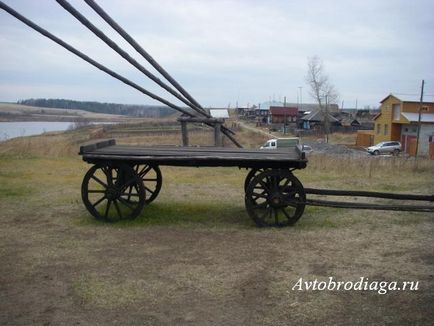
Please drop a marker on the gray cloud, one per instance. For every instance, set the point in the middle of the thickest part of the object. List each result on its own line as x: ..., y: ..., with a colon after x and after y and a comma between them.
x: 225, y: 51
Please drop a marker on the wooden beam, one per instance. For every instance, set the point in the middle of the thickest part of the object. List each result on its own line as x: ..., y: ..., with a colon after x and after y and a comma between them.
x: 184, y: 131
x: 200, y: 120
x: 217, y: 135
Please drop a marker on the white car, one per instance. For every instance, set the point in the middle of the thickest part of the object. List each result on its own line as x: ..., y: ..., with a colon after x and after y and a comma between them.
x: 385, y: 147
x: 307, y: 149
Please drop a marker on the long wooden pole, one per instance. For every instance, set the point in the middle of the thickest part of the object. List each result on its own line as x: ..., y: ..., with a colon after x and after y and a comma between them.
x: 68, y: 7
x: 419, y: 118
x: 141, y: 51
x: 154, y: 63
x: 88, y: 59
x: 98, y: 65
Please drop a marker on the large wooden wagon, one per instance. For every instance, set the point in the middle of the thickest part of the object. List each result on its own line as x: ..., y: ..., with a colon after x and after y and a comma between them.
x: 124, y: 179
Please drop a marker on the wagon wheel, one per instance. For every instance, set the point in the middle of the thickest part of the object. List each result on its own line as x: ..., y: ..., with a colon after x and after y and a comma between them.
x: 106, y: 192
x: 152, y: 180
x: 252, y: 173
x: 275, y: 198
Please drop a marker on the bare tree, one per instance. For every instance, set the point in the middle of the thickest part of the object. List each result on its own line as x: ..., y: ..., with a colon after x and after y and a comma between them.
x: 321, y: 89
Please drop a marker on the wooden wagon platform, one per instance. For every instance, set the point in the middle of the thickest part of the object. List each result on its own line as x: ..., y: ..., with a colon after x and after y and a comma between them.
x: 125, y: 178
x: 108, y: 150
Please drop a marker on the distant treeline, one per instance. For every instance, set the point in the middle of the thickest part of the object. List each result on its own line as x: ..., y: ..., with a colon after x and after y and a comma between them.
x: 148, y: 111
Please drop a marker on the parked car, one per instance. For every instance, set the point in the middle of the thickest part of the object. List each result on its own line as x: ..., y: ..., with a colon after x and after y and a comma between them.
x: 385, y: 147
x: 278, y: 143
x: 307, y: 149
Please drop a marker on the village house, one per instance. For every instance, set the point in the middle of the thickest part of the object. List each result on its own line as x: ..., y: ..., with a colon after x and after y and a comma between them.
x: 262, y: 112
x: 284, y: 115
x: 316, y: 120
x: 398, y: 121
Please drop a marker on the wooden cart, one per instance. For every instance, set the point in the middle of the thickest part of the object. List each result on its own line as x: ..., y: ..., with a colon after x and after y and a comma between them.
x: 124, y: 179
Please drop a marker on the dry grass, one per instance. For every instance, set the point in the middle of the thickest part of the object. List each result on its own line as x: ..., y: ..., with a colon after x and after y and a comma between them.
x: 343, y: 138
x: 59, y: 144
x: 370, y: 166
x: 194, y: 256
x: 19, y: 112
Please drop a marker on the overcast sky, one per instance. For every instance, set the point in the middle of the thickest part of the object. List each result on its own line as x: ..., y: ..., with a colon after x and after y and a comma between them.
x: 224, y: 52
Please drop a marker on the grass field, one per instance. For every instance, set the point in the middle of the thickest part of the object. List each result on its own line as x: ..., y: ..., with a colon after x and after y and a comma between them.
x: 18, y: 112
x: 193, y: 257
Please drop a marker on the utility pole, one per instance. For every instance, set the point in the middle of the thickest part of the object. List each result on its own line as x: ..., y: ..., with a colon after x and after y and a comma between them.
x: 301, y: 98
x: 326, y: 119
x: 284, y: 110
x: 420, y: 118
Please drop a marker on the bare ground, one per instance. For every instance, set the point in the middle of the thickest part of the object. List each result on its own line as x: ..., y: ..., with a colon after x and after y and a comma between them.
x: 193, y: 257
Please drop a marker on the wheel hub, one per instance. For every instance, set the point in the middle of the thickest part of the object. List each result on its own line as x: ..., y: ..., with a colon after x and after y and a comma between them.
x: 112, y: 193
x: 276, y: 200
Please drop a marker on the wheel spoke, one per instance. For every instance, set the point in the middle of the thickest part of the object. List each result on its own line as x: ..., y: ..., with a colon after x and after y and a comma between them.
x: 129, y: 195
x: 99, y: 181
x: 99, y: 201
x: 117, y: 208
x: 145, y: 170
x: 266, y: 213
x: 96, y: 191
x: 270, y: 213
x: 130, y: 190
x: 292, y: 204
x: 265, y: 186
x: 286, y: 213
x: 293, y: 201
x: 274, y: 183
x: 109, y: 202
x: 126, y: 203
x: 147, y: 189
x: 259, y: 195
x: 108, y: 173
x: 286, y: 183
x: 262, y: 205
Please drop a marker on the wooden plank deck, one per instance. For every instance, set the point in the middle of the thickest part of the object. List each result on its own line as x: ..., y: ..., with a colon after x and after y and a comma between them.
x: 193, y: 156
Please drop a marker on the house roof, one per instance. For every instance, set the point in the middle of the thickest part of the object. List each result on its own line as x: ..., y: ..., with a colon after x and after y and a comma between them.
x: 319, y: 116
x: 268, y: 104
x: 219, y: 113
x: 405, y: 98
x: 302, y: 106
x: 376, y: 116
x: 414, y: 117
x: 283, y: 111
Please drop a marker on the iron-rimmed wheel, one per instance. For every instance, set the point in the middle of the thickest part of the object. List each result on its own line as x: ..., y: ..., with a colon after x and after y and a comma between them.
x: 105, y: 192
x: 275, y: 198
x: 152, y: 180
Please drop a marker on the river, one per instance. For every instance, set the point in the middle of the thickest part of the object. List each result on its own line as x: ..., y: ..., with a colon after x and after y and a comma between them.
x: 10, y: 130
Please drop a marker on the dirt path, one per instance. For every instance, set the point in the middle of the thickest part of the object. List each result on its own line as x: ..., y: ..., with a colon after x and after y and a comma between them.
x: 256, y: 130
